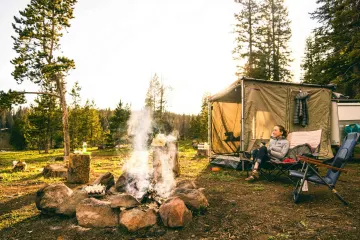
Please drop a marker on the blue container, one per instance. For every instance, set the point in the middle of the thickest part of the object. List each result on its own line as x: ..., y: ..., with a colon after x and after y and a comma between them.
x: 352, y: 128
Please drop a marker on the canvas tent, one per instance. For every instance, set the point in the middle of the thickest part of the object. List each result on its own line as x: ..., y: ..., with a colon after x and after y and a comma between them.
x: 248, y: 109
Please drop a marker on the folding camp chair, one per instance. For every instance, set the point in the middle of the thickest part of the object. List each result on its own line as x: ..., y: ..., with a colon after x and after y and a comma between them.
x: 310, y: 173
x: 301, y: 143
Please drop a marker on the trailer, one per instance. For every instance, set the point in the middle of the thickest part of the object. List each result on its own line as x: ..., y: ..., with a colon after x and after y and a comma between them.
x: 343, y: 112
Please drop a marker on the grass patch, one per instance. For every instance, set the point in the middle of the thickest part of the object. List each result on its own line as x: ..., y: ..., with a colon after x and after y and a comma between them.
x: 18, y: 215
x: 259, y: 188
x: 222, y: 176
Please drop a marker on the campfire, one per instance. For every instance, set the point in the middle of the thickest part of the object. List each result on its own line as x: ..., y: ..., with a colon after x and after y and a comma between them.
x: 146, y: 189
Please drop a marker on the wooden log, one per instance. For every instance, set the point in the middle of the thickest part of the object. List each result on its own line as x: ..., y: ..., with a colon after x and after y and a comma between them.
x: 55, y: 170
x: 174, y: 157
x: 79, y: 168
x: 171, y: 149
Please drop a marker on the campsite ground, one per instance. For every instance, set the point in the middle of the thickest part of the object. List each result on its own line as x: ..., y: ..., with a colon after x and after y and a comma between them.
x: 238, y: 210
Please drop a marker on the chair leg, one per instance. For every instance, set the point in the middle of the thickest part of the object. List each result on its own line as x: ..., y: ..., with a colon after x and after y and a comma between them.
x: 332, y: 189
x: 298, y: 190
x: 299, y: 186
x: 339, y: 197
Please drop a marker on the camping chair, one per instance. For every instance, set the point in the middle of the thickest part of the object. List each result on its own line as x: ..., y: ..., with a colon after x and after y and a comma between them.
x: 301, y: 143
x: 309, y: 172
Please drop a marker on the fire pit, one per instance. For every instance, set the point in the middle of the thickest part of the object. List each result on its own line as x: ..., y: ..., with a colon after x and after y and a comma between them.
x: 139, y: 196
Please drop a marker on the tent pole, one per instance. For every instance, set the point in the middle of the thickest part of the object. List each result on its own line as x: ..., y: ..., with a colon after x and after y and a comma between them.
x: 209, y: 128
x: 242, y: 143
x: 242, y: 124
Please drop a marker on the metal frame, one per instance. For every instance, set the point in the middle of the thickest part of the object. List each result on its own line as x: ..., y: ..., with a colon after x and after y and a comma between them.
x: 209, y: 127
x: 300, y: 184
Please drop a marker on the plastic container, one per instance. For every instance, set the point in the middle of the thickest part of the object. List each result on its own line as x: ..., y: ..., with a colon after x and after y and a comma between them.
x: 84, y: 147
x: 352, y: 128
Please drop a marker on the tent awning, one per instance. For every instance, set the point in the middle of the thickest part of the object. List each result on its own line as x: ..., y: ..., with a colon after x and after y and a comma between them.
x: 233, y: 92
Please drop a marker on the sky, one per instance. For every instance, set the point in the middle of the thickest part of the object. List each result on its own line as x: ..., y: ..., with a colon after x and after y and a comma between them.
x: 118, y: 45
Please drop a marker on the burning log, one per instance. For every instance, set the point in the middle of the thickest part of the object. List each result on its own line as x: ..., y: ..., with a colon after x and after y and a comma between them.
x: 152, y: 195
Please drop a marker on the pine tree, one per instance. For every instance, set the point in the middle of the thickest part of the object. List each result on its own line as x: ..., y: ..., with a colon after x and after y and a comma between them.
x: 195, y: 127
x: 74, y: 117
x: 19, y: 130
x: 118, y: 122
x: 275, y: 34
x: 336, y: 44
x: 204, y: 118
x: 37, y: 44
x: 246, y: 37
x: 152, y: 94
x: 44, y: 122
x: 310, y: 62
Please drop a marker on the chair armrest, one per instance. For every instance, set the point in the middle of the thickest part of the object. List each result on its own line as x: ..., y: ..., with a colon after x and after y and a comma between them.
x: 319, y: 163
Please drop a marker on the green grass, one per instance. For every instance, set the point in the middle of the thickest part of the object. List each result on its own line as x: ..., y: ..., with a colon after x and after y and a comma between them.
x: 227, y: 175
x: 102, y: 161
x: 258, y: 187
x: 18, y: 215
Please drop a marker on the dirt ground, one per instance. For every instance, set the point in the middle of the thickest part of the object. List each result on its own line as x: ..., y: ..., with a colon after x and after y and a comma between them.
x: 238, y: 210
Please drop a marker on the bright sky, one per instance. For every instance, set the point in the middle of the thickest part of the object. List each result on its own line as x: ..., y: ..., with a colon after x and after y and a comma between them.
x: 118, y: 46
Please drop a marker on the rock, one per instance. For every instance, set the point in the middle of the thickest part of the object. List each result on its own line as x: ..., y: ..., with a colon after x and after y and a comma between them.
x: 123, y: 200
x: 50, y: 197
x: 68, y: 207
x: 55, y: 170
x: 186, y: 184
x: 112, y: 191
x: 106, y: 179
x: 193, y: 198
x: 125, y: 180
x: 120, y: 184
x: 135, y: 219
x: 91, y: 212
x: 174, y: 213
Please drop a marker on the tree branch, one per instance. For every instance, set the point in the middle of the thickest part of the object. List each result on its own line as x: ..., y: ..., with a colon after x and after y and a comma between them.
x: 38, y: 93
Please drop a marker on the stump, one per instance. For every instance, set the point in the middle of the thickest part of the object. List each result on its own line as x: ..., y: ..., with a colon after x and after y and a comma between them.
x: 79, y: 168
x: 174, y: 157
x: 171, y: 149
x: 55, y: 170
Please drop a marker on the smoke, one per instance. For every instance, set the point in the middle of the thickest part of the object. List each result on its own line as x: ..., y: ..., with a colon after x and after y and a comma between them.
x: 160, y: 177
x: 166, y: 156
x: 139, y: 128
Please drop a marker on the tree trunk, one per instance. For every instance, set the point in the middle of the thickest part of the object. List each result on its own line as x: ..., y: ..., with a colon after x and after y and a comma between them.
x: 250, y: 38
x: 65, y: 125
x: 60, y: 88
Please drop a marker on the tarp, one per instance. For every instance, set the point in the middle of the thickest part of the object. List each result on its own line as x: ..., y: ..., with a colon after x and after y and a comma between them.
x: 266, y: 103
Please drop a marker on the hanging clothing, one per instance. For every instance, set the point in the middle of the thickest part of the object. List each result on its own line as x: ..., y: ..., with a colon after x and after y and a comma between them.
x: 301, y: 115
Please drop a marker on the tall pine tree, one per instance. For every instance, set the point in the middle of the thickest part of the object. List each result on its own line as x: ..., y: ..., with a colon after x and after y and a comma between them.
x: 37, y: 44
x: 275, y: 34
x: 336, y: 44
x: 118, y: 123
x: 245, y: 30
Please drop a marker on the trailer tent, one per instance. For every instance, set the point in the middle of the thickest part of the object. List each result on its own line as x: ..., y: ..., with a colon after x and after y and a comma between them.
x: 248, y: 109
